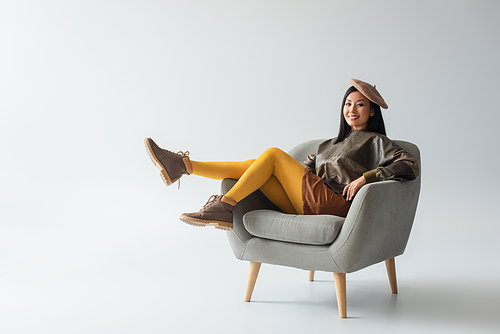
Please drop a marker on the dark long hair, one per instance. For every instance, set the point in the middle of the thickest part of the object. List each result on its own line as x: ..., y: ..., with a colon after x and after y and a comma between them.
x: 375, y: 123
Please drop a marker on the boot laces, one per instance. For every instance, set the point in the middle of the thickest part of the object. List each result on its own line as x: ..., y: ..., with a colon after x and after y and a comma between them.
x: 210, y: 201
x: 182, y: 154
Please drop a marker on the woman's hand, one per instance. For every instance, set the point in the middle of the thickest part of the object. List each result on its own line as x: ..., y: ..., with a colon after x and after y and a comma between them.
x: 352, y: 188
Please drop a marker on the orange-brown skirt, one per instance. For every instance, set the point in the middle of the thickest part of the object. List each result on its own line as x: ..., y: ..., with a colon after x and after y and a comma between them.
x: 318, y: 199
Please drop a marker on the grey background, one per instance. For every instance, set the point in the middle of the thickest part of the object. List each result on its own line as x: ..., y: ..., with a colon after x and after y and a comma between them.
x: 90, y: 239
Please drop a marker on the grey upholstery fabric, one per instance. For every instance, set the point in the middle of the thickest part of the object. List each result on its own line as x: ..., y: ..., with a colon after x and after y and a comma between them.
x: 376, y: 228
x: 309, y: 230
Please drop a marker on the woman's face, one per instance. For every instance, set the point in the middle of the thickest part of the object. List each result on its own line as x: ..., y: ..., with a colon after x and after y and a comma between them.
x: 357, y: 111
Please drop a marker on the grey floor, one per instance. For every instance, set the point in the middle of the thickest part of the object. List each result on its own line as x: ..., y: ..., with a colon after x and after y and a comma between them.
x: 137, y: 269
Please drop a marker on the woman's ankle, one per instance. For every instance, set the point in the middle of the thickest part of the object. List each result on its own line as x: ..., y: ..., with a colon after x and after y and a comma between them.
x: 228, y: 200
x: 187, y: 163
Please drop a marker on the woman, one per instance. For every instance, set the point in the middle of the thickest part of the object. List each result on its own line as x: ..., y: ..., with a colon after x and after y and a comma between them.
x: 325, y: 183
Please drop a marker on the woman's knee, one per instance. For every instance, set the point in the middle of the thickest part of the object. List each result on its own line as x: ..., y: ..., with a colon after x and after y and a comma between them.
x: 273, y: 152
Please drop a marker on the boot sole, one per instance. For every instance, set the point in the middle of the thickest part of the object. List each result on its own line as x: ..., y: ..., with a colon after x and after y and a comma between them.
x: 202, y: 223
x: 163, y: 173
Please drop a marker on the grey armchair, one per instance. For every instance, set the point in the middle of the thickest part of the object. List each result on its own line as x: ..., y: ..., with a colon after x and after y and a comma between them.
x: 376, y: 229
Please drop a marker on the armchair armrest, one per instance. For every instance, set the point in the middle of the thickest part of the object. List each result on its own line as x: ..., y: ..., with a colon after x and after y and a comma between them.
x: 378, y: 224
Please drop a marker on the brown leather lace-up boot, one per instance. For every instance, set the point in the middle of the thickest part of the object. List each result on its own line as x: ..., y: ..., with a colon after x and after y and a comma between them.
x: 171, y: 165
x: 217, y: 212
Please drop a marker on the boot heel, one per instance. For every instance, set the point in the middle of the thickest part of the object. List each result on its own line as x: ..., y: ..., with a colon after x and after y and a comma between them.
x: 165, y: 177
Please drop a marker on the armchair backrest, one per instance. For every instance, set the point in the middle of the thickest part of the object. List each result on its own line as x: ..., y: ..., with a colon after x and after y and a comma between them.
x: 302, y: 150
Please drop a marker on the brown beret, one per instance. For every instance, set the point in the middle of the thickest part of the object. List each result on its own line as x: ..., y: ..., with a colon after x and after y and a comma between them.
x: 369, y: 91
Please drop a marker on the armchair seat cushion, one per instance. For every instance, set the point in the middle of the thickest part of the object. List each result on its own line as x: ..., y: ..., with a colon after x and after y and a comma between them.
x: 302, y: 229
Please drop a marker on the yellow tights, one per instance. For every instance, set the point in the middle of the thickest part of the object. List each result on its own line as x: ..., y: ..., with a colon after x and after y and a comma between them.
x: 274, y: 172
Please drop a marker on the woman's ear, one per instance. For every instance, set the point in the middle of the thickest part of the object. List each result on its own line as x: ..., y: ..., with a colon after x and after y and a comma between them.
x: 372, y: 112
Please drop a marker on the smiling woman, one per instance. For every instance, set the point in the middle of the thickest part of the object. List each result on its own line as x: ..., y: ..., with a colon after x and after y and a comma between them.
x: 357, y: 111
x: 365, y: 92
x: 331, y: 178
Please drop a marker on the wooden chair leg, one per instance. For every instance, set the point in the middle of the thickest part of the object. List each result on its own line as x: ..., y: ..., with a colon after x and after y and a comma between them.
x: 311, y: 275
x: 391, y: 272
x: 253, y: 272
x: 340, y: 288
